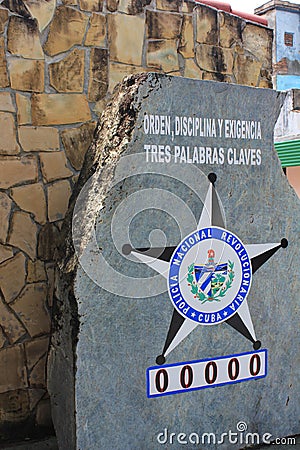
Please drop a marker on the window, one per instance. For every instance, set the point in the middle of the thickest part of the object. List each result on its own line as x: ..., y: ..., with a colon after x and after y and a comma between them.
x: 289, y: 39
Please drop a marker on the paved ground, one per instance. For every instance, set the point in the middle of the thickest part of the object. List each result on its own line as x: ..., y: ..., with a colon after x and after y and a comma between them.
x: 50, y: 444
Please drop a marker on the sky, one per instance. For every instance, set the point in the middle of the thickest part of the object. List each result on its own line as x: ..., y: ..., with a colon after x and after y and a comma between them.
x: 250, y: 5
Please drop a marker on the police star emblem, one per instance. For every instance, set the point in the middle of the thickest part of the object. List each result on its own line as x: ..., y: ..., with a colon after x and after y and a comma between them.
x: 209, y: 275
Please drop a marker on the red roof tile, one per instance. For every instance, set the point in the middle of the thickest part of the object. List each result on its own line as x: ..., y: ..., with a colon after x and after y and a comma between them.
x: 223, y: 6
x: 251, y: 17
x: 216, y: 4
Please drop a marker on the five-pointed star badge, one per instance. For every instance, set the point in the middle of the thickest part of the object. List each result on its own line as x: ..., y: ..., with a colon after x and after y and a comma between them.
x: 185, y: 320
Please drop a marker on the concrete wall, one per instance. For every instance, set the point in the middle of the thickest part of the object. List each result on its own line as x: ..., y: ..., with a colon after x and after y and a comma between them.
x: 288, y: 58
x: 59, y: 63
x: 288, y: 123
x: 286, y: 82
x: 288, y: 129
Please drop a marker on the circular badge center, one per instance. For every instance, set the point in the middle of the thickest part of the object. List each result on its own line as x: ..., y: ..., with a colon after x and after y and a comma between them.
x: 210, y: 276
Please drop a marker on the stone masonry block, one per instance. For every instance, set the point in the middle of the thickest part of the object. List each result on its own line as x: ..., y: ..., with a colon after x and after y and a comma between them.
x: 36, y: 139
x: 98, y: 76
x: 247, y: 70
x: 91, y: 5
x: 8, y: 142
x: 118, y: 71
x: 163, y: 25
x: 258, y: 41
x: 17, y: 7
x: 10, y: 324
x: 35, y: 395
x: 31, y: 198
x: 67, y: 75
x: 35, y: 350
x: 12, y: 276
x: 36, y: 271
x: 5, y: 209
x: 186, y: 43
x: 3, y: 338
x: 16, y: 170
x: 6, y: 102
x: 230, y: 29
x: 169, y: 5
x: 5, y: 253
x: 4, y: 82
x: 162, y: 54
x: 100, y: 106
x: 3, y: 19
x: 217, y: 76
x: 207, y: 25
x: 23, y: 109
x: 26, y: 75
x: 14, y: 406
x: 50, y: 269
x: 266, y: 84
x: 188, y: 6
x: 215, y: 59
x: 112, y: 5
x: 47, y: 240
x: 126, y: 37
x: 76, y: 142
x: 267, y: 74
x: 23, y: 233
x: 42, y: 11
x: 23, y: 38
x: 96, y: 34
x: 30, y: 308
x: 191, y: 70
x: 13, y: 371
x: 37, y: 375
x: 132, y: 6
x: 54, y: 166
x: 66, y: 30
x: 58, y: 109
x: 58, y: 199
x: 43, y: 413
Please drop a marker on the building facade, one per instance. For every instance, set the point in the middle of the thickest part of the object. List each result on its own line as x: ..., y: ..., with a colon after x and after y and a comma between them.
x: 284, y: 18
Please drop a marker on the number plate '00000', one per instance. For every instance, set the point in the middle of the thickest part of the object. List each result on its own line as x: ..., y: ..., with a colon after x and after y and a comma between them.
x: 194, y: 375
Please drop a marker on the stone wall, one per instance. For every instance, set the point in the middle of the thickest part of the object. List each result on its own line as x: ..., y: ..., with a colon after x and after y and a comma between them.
x: 59, y: 63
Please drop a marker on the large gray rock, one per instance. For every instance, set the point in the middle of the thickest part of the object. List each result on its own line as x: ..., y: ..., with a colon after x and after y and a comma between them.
x: 113, y: 312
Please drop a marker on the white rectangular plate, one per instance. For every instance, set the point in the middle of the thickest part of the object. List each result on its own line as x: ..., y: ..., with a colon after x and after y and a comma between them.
x: 207, y: 373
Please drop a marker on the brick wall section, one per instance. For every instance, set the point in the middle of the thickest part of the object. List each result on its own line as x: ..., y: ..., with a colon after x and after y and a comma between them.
x: 59, y: 62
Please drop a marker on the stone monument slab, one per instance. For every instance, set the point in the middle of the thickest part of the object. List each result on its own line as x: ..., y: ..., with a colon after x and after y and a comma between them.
x: 176, y: 300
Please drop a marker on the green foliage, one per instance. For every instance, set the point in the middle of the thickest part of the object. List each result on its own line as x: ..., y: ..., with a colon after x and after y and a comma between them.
x: 190, y: 278
x: 191, y: 268
x: 194, y: 289
x: 202, y: 296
